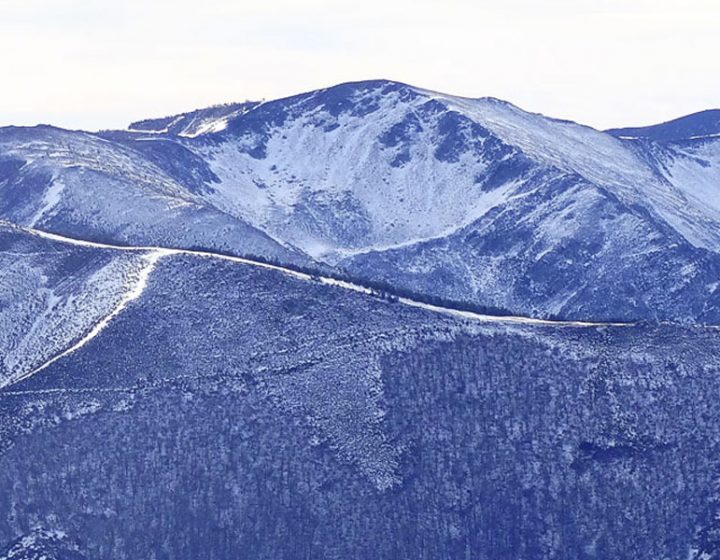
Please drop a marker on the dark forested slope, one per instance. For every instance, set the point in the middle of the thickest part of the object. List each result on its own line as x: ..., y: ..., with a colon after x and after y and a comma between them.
x: 233, y: 410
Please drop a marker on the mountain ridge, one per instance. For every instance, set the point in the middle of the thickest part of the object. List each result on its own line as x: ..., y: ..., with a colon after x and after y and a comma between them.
x: 373, y: 177
x: 699, y: 125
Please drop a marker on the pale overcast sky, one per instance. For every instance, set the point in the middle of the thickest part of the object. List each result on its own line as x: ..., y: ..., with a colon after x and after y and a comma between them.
x: 100, y: 64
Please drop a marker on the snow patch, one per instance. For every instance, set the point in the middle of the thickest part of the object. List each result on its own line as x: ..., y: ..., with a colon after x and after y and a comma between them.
x: 51, y: 198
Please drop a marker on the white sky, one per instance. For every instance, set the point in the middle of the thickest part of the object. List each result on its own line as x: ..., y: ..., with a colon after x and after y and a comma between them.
x: 103, y: 63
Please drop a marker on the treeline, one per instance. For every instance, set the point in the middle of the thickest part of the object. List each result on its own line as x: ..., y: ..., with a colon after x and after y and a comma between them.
x: 380, y: 288
x: 389, y: 292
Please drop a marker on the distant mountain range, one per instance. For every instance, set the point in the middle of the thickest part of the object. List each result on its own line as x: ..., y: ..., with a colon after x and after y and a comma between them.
x: 698, y: 126
x: 369, y: 321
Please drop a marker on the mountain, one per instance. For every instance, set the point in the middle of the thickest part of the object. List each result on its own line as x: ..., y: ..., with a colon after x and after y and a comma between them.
x: 239, y: 408
x: 467, y: 200
x: 365, y: 321
x: 194, y: 123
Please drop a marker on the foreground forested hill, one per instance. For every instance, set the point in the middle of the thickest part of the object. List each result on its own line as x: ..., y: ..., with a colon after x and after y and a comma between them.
x: 231, y: 409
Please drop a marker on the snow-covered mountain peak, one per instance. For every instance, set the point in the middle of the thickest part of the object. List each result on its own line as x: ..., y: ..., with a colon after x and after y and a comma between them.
x: 357, y: 166
x: 378, y: 164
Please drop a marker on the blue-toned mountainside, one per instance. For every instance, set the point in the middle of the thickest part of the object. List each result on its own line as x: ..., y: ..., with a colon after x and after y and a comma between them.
x: 80, y: 184
x: 470, y: 200
x: 705, y: 124
x: 233, y: 409
x: 369, y: 321
x: 195, y: 123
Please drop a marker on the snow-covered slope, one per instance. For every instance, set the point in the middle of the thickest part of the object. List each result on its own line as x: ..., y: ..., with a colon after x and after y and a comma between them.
x: 580, y: 254
x: 81, y: 184
x: 684, y: 152
x: 368, y: 165
x: 335, y: 179
x: 692, y: 166
x: 52, y: 299
x: 194, y: 123
x: 468, y: 199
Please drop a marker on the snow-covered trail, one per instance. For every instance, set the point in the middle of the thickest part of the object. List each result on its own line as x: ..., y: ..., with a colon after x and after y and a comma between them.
x: 159, y: 252
x: 153, y: 254
x: 134, y: 291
